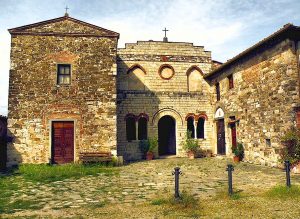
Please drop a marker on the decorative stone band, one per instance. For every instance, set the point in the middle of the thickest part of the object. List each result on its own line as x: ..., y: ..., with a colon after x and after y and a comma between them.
x: 158, y: 58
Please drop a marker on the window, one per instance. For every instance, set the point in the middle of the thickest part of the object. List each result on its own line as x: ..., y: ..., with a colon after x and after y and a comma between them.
x: 268, y: 142
x: 200, y: 128
x: 63, y: 74
x: 130, y: 128
x: 230, y: 81
x: 142, y: 128
x: 190, y: 126
x: 218, y: 91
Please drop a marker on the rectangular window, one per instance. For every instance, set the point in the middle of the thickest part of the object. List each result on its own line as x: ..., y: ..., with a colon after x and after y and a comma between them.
x: 218, y: 91
x: 63, y: 74
x: 268, y: 142
x: 230, y: 81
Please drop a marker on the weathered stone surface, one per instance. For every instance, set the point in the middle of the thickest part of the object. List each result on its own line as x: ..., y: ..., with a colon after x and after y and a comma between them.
x: 35, y: 98
x: 263, y: 99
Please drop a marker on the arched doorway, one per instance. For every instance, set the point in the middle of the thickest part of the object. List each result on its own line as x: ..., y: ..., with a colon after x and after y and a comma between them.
x: 167, y: 136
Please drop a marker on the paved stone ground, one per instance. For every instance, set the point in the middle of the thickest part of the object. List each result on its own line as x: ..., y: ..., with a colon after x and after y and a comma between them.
x: 143, y: 181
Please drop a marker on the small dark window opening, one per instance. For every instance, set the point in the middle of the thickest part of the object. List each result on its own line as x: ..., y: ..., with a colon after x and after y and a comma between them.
x: 130, y: 129
x: 230, y: 81
x: 190, y: 126
x: 63, y: 74
x: 268, y: 142
x: 218, y: 91
x: 142, y: 128
x: 200, y: 128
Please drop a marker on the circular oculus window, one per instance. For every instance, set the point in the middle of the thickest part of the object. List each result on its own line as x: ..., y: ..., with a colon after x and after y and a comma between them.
x: 166, y: 72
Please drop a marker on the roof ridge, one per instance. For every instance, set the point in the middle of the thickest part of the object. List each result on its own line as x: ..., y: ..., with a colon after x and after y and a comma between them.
x: 24, y: 27
x: 256, y: 45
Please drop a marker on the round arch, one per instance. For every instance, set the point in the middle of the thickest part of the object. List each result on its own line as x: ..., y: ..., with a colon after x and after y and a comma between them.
x: 135, y: 66
x: 167, y: 112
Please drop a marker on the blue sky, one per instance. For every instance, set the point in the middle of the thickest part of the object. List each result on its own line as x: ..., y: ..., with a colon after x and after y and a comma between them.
x: 225, y: 27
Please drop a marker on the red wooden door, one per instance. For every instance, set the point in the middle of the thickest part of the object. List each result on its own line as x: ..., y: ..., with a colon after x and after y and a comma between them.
x: 221, y: 137
x: 62, y: 142
x: 233, y: 135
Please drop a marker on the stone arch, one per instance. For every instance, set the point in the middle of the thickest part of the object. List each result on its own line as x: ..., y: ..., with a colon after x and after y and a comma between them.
x: 167, y: 112
x: 194, y: 78
x: 136, y: 77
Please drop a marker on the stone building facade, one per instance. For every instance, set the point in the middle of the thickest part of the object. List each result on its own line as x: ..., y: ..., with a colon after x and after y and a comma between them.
x: 62, y: 91
x: 163, y: 81
x: 73, y: 91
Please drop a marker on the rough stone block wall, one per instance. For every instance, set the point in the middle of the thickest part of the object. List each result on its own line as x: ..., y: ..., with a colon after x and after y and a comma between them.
x: 158, y: 96
x: 264, y: 97
x: 35, y: 98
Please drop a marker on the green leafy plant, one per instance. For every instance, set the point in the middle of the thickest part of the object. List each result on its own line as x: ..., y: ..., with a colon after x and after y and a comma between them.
x: 190, y: 144
x: 291, y: 149
x: 153, y: 144
x: 144, y: 146
x: 238, y: 151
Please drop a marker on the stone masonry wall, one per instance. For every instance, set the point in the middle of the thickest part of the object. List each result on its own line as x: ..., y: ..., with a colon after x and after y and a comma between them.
x: 263, y: 99
x: 159, y: 96
x: 35, y: 99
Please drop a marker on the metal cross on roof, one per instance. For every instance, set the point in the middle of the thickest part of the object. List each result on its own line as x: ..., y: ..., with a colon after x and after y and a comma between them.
x: 66, y: 14
x: 165, y: 30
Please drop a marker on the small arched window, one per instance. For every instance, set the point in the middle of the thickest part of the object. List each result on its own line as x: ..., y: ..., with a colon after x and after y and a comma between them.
x: 136, y: 77
x: 200, y: 127
x: 190, y: 126
x: 142, y: 128
x: 130, y: 128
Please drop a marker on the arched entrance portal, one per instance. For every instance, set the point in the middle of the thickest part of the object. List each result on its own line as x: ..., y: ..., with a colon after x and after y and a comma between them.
x: 221, y: 144
x: 166, y: 136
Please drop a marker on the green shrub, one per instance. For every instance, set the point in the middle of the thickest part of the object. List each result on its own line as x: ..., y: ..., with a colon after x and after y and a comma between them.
x: 153, y: 144
x: 190, y: 144
x: 291, y: 149
x: 144, y: 146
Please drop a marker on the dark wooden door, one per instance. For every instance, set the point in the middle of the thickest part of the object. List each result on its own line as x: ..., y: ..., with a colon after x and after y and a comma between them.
x: 221, y: 137
x: 62, y: 142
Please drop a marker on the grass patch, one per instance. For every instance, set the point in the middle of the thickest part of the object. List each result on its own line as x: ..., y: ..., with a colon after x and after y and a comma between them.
x: 185, y: 200
x: 47, y: 173
x: 158, y: 201
x: 283, y: 192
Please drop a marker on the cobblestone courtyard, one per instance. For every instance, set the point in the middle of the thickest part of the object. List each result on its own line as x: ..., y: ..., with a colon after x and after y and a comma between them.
x: 141, y: 182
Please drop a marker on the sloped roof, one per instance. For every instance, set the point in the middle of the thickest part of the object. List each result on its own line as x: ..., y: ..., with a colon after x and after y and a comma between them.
x: 287, y: 31
x: 63, y: 26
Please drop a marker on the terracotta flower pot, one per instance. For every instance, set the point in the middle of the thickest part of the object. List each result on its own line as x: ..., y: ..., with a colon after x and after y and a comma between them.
x: 149, y: 156
x: 191, y: 155
x: 296, y: 168
x: 236, y: 159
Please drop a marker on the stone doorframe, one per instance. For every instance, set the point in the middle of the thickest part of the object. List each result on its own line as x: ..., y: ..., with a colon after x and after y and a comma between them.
x: 219, y: 115
x: 178, y: 123
x: 50, y: 135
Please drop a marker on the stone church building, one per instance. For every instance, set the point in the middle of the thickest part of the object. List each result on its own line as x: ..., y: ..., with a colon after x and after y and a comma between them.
x: 71, y: 90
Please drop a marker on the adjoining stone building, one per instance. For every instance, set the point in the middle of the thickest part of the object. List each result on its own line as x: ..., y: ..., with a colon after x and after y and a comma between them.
x: 72, y: 91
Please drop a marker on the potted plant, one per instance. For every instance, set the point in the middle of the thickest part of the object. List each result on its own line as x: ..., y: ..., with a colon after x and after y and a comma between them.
x: 238, y: 152
x: 190, y: 145
x: 291, y: 149
x: 153, y: 145
x: 144, y: 147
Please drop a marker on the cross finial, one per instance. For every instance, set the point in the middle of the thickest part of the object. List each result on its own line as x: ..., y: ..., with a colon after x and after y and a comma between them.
x: 165, y: 38
x: 66, y: 14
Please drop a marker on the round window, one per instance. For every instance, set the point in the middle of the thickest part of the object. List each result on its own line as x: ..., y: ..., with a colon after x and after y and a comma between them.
x: 166, y: 72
